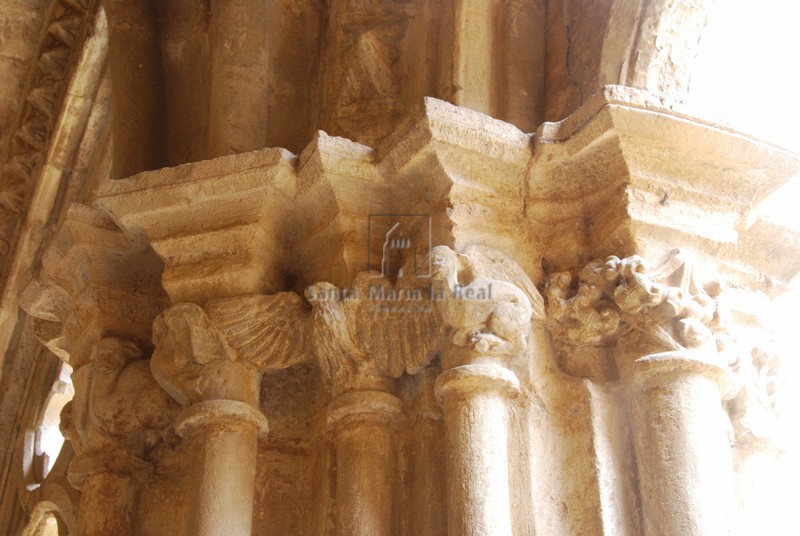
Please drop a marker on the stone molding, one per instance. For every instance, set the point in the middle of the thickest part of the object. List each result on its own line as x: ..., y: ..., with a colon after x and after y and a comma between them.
x: 649, y: 371
x: 464, y: 379
x: 354, y: 407
x: 220, y: 415
x: 69, y: 24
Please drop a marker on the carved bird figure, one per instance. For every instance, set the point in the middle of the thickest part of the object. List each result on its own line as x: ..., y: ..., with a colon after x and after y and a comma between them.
x: 492, y: 300
x: 372, y: 330
x: 268, y: 330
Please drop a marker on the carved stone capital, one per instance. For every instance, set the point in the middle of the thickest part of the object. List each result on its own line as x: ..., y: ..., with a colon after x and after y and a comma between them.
x: 368, y: 334
x: 486, y: 300
x: 95, y: 281
x: 761, y: 411
x: 193, y: 361
x: 220, y: 351
x: 118, y: 413
x: 617, y: 311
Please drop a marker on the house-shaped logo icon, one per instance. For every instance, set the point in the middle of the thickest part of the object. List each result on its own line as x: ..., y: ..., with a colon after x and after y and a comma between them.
x: 400, y: 242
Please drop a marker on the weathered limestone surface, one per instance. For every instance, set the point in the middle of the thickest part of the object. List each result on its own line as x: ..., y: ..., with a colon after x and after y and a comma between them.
x: 96, y: 312
x: 325, y: 270
x: 544, y: 456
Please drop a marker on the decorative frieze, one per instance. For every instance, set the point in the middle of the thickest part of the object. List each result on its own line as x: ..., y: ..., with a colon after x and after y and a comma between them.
x: 70, y: 21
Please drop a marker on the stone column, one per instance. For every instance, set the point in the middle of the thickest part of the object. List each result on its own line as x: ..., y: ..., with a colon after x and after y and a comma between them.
x: 363, y: 424
x: 194, y: 363
x: 427, y: 460
x: 475, y: 402
x: 106, y: 503
x: 659, y: 335
x: 85, y: 291
x: 239, y: 91
x: 683, y: 453
x: 225, y: 434
x: 135, y: 79
x: 472, y: 54
x: 117, y: 413
x: 488, y: 302
x: 218, y: 382
x: 363, y: 345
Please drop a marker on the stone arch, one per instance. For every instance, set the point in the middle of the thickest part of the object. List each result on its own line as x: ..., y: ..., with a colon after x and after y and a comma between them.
x: 47, y: 520
x: 43, y: 440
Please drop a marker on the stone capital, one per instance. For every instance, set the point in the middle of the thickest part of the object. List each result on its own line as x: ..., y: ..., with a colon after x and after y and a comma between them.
x: 220, y: 351
x: 487, y: 301
x: 95, y: 281
x: 193, y: 361
x: 118, y: 413
x: 617, y: 311
x: 367, y: 335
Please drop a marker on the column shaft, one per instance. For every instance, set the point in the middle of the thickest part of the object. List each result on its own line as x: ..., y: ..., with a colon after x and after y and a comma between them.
x: 427, y: 461
x: 238, y: 112
x: 472, y: 54
x: 105, y: 505
x: 475, y: 401
x: 366, y: 462
x: 135, y: 81
x: 682, y: 451
x: 225, y: 434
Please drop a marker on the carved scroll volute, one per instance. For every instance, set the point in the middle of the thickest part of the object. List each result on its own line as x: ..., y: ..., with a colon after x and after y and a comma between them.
x: 487, y: 301
x: 118, y: 413
x: 372, y: 332
x: 617, y: 311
